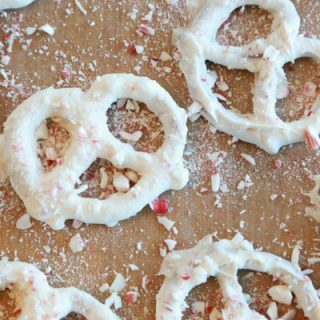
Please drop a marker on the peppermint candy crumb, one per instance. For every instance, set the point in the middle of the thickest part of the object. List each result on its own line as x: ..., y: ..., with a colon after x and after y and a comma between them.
x: 76, y: 243
x: 24, y: 223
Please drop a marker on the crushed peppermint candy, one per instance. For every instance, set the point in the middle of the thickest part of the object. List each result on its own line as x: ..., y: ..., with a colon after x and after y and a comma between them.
x: 248, y: 158
x: 167, y: 223
x: 160, y: 206
x: 118, y: 283
x: 312, y: 138
x: 272, y: 311
x: 144, y: 30
x: 121, y: 182
x: 132, y: 296
x: 24, y: 223
x: 170, y: 244
x: 277, y: 163
x: 281, y: 294
x: 215, y: 182
x: 46, y: 28
x: 76, y: 243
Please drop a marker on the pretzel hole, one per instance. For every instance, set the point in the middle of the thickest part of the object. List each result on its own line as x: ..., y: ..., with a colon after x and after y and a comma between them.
x: 53, y: 140
x: 303, y: 84
x: 203, y: 300
x: 244, y: 25
x: 132, y: 122
x: 102, y: 179
x: 233, y: 88
x: 256, y: 285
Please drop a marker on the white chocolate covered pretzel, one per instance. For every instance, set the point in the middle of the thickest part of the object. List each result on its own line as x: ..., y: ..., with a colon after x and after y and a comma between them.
x: 265, y: 57
x: 185, y: 269
x: 13, y: 4
x: 51, y: 196
x: 37, y: 300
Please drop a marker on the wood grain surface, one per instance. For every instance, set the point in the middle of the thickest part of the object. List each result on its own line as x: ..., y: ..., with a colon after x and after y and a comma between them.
x: 94, y: 44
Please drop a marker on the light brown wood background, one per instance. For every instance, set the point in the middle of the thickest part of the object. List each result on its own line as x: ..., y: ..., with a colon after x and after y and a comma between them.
x: 276, y: 226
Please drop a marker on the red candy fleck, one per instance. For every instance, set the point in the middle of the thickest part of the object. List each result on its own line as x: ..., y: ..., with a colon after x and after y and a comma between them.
x: 65, y: 74
x: 51, y: 164
x: 16, y: 312
x: 160, y: 206
x: 146, y: 30
x: 131, y: 297
x: 185, y: 277
x: 277, y: 163
x: 7, y: 36
x: 132, y: 50
x: 209, y: 309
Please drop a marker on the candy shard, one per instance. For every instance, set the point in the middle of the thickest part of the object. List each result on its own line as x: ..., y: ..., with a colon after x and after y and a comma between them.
x: 76, y: 243
x: 312, y: 138
x: 281, y: 294
x: 24, y: 223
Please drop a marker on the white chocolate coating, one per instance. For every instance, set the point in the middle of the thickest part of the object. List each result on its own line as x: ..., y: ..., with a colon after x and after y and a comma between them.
x: 186, y: 269
x: 37, y: 300
x: 51, y: 196
x: 265, y: 57
x: 13, y: 4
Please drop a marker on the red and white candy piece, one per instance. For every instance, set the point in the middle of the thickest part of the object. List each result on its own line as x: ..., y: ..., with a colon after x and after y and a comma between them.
x: 51, y: 196
x: 37, y: 300
x: 265, y: 57
x: 186, y: 269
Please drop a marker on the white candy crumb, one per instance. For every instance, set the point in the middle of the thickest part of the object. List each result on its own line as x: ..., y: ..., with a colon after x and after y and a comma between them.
x: 281, y: 294
x: 165, y: 56
x: 76, y: 243
x: 163, y: 252
x: 295, y: 257
x: 273, y: 197
x: 121, y: 182
x: 139, y: 49
x: 139, y: 245
x: 47, y: 29
x: 167, y: 223
x: 24, y: 223
x: 272, y: 311
x: 248, y: 158
x: 215, y: 182
x: 114, y: 300
x: 118, y: 283
x: 30, y: 31
x: 133, y: 267
x: 104, y: 288
x: 170, y: 244
x: 312, y: 261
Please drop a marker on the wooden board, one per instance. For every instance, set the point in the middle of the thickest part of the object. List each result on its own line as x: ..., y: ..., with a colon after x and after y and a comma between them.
x: 98, y: 39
